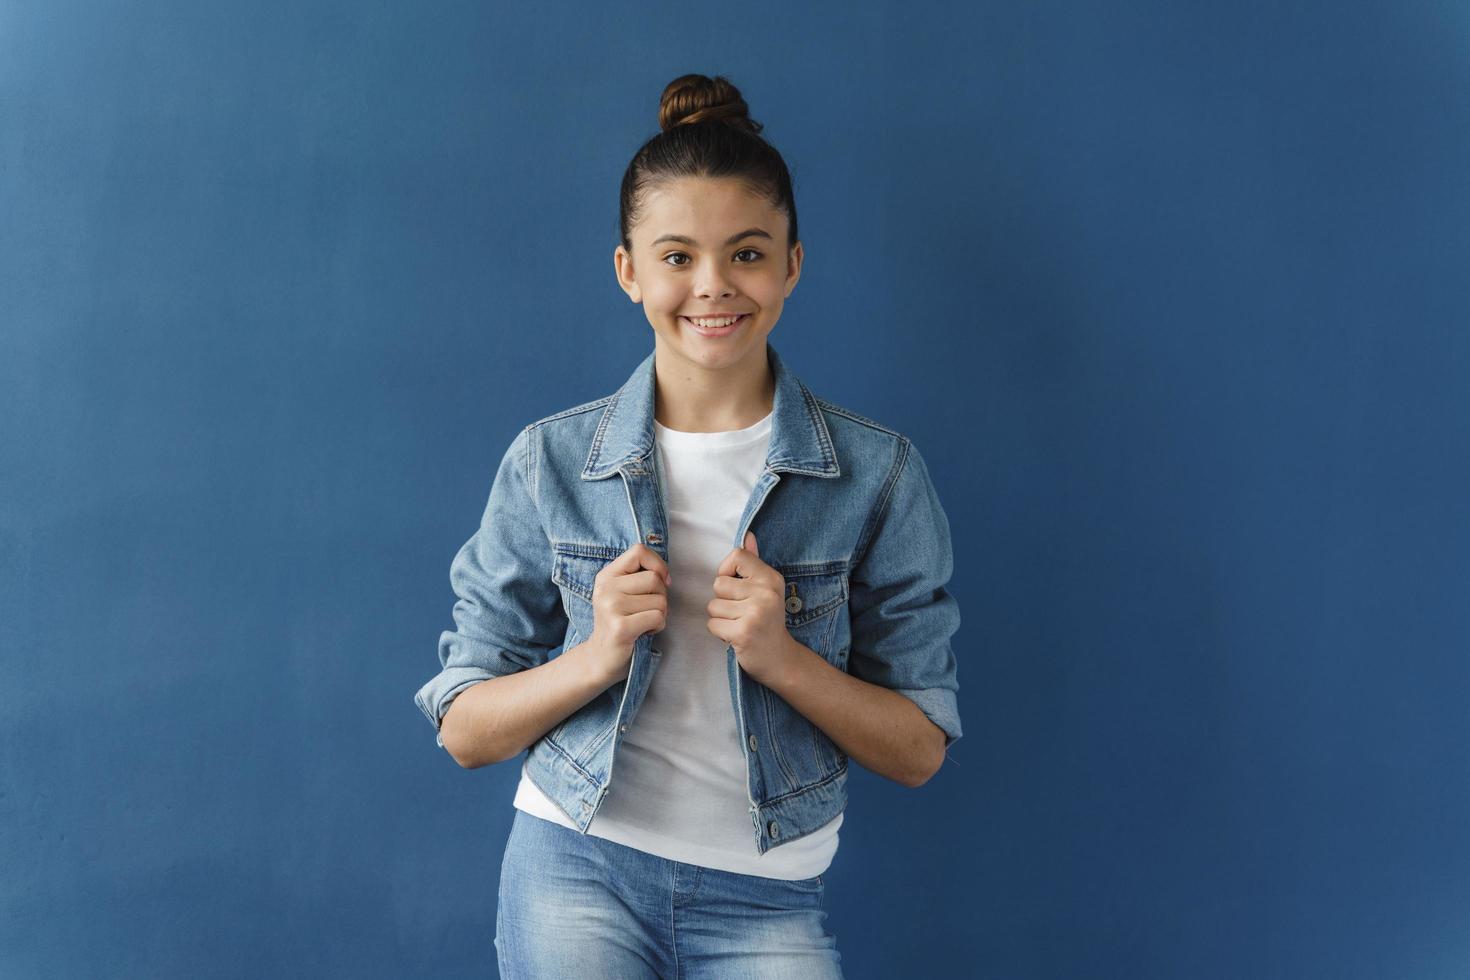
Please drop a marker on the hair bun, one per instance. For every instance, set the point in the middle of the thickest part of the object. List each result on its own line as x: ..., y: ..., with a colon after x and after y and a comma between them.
x: 699, y: 98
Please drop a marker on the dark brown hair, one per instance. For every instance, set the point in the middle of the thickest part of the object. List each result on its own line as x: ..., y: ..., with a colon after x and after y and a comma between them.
x: 707, y: 132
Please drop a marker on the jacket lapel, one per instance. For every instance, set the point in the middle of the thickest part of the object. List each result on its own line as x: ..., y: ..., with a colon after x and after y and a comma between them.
x: 800, y: 442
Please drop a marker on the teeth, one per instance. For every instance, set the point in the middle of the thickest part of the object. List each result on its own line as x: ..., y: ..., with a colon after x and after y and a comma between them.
x: 723, y: 322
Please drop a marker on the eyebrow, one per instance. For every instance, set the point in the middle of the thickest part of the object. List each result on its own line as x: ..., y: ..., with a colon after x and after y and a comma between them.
x: 685, y: 239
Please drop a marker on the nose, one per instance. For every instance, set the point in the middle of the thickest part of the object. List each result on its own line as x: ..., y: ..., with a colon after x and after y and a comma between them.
x: 712, y: 284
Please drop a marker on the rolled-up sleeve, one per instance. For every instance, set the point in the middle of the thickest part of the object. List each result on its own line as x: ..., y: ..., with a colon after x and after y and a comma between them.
x: 508, y: 615
x: 902, y: 615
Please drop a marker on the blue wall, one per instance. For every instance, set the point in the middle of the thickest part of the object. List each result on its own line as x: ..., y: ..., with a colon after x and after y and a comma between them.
x: 1187, y: 283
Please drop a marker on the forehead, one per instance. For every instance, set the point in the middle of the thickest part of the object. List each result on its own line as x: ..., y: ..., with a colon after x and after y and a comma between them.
x: 706, y: 209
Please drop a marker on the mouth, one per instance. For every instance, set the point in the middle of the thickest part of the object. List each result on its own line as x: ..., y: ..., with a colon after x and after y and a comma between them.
x: 717, y: 326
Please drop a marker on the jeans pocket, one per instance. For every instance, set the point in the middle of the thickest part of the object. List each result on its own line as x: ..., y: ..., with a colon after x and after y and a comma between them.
x: 807, y: 885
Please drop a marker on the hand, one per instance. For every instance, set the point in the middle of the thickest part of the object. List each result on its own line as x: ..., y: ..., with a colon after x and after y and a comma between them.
x: 749, y: 611
x: 630, y: 597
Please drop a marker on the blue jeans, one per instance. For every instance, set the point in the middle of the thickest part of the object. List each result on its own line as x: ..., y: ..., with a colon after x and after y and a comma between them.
x: 575, y: 905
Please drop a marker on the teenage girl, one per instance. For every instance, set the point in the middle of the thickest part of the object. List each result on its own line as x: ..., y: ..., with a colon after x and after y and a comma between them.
x: 664, y: 881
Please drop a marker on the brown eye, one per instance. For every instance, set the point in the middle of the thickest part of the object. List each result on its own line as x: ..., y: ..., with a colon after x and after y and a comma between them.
x: 671, y: 255
x: 751, y: 251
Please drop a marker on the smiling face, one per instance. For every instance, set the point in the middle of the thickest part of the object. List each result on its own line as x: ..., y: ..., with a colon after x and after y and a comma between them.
x: 705, y: 249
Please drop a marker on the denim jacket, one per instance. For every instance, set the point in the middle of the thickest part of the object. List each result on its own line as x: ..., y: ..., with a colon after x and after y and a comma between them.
x: 844, y: 509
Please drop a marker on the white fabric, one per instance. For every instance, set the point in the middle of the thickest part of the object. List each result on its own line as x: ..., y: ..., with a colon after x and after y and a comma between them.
x: 678, y: 786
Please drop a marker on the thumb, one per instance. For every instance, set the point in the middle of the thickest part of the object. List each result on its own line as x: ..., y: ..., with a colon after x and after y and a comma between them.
x: 750, y: 544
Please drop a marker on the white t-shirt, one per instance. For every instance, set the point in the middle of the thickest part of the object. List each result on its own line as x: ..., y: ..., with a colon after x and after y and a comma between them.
x: 679, y: 783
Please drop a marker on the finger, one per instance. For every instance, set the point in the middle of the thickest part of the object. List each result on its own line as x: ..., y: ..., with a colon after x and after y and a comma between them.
x: 649, y: 621
x: 727, y: 587
x: 637, y: 583
x: 741, y: 562
x: 750, y: 544
x: 637, y: 602
x: 724, y: 608
x: 639, y: 556
x: 720, y: 628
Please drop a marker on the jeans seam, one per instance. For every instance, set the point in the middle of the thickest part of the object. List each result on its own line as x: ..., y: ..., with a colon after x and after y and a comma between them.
x: 673, y: 911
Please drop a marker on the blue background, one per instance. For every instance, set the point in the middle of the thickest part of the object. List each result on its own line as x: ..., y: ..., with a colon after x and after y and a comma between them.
x: 1174, y: 298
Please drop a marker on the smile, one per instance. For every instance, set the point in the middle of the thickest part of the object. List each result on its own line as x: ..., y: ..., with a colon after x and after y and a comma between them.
x: 715, y: 326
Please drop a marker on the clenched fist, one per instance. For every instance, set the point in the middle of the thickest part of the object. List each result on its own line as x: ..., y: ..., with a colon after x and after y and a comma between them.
x: 630, y: 597
x: 749, y: 611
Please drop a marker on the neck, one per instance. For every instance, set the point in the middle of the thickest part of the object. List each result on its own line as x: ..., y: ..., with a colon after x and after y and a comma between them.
x: 691, y: 398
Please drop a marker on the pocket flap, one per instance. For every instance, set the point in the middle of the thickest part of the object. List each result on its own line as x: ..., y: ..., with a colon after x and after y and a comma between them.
x: 575, y: 565
x: 813, y: 589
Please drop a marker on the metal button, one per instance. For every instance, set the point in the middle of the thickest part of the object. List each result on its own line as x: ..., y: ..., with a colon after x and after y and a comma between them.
x: 793, y: 603
x: 752, y: 743
x: 622, y: 728
x: 774, y: 829
x: 653, y: 537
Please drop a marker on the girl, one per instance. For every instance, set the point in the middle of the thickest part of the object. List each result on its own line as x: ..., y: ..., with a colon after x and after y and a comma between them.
x: 747, y: 583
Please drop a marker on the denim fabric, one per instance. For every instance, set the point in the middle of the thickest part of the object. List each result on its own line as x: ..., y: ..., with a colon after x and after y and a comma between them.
x: 844, y: 510
x: 639, y: 915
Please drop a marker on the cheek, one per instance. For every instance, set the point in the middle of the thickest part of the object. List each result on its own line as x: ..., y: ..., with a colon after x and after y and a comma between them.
x: 770, y: 297
x: 772, y: 287
x: 664, y: 297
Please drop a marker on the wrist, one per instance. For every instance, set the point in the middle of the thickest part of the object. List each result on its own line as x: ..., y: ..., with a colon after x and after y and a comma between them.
x: 600, y: 662
x: 780, y: 673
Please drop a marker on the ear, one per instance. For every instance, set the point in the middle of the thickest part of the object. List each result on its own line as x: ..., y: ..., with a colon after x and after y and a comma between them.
x: 793, y: 266
x: 623, y: 268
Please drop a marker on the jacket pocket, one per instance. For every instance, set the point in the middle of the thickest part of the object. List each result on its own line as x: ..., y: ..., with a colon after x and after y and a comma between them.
x: 574, y: 569
x: 558, y: 734
x: 814, y: 592
x: 575, y: 565
x: 816, y: 602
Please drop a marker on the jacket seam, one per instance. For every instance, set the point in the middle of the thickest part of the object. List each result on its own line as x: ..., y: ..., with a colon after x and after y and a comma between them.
x: 861, y: 552
x: 775, y: 743
x: 532, y: 467
x: 571, y: 762
x: 830, y: 777
x: 829, y: 453
x: 609, y: 412
x: 574, y: 410
x: 855, y: 417
x: 789, y: 838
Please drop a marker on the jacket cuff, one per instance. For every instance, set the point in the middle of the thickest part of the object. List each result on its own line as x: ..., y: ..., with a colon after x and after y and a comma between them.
x: 941, y: 706
x: 434, y: 697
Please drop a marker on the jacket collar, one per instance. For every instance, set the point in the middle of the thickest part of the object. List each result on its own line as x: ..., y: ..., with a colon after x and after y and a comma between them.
x: 800, y: 442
